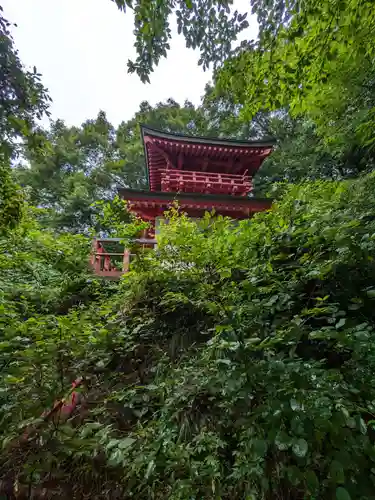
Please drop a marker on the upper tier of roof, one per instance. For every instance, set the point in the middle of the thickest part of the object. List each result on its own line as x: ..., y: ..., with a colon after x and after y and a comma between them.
x: 153, y: 132
x: 169, y: 150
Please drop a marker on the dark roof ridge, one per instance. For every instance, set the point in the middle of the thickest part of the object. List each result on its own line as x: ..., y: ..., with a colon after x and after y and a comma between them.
x: 205, y: 140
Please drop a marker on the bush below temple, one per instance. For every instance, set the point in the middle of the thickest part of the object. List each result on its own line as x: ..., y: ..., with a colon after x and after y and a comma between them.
x: 246, y: 375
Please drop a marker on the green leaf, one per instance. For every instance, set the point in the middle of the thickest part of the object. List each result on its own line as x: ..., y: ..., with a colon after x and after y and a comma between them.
x: 260, y: 447
x: 337, y: 472
x: 295, y: 405
x: 342, y: 494
x: 350, y: 422
x: 115, y: 458
x: 282, y: 440
x: 224, y: 361
x: 225, y: 273
x: 300, y: 448
x: 125, y: 443
x: 340, y: 323
x: 150, y: 469
x: 362, y: 425
x: 312, y: 481
x: 294, y: 475
x: 112, y: 443
x: 90, y: 428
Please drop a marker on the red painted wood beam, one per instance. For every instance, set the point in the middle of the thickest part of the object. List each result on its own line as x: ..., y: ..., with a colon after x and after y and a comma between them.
x: 235, y: 207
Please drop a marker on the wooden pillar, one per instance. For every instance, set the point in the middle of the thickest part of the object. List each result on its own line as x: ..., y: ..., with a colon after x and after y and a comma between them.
x: 99, y: 258
x: 126, y: 261
x: 93, y: 254
x: 107, y: 263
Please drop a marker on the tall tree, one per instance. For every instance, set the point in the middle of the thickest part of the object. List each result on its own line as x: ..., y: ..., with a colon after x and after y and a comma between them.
x: 82, y: 165
x: 301, y: 45
x: 77, y: 166
x: 315, y: 58
x: 299, y: 153
x: 23, y: 98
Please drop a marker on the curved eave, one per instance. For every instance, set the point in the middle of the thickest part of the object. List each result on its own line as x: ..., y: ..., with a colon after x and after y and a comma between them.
x: 163, y: 198
x: 152, y: 132
x: 237, y: 147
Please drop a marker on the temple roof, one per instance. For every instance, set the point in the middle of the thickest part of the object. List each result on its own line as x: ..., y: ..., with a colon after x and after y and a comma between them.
x: 150, y: 131
x: 149, y: 204
x: 182, y: 152
x: 128, y: 194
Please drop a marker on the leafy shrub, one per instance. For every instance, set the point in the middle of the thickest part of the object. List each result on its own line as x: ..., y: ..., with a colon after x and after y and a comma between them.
x: 235, y: 362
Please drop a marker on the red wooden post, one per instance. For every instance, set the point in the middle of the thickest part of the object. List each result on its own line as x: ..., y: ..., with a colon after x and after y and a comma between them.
x: 93, y: 253
x: 99, y: 251
x: 107, y: 263
x: 126, y: 261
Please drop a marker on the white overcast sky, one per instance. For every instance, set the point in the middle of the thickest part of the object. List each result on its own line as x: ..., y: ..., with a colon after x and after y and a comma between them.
x: 81, y: 47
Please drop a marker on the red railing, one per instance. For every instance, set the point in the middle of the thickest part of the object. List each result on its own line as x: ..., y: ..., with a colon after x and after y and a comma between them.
x: 111, y: 264
x: 205, y: 182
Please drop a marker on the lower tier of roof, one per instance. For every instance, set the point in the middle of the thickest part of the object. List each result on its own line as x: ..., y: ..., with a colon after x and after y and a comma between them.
x: 149, y: 205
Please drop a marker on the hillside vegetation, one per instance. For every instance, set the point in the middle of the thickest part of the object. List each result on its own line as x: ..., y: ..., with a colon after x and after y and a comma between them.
x: 233, y: 363
x: 237, y: 361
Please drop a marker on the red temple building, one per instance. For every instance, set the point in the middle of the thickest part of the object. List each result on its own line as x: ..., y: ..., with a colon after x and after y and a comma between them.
x: 201, y: 174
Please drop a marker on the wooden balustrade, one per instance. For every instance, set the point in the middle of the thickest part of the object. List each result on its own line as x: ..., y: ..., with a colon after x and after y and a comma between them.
x: 113, y: 264
x: 205, y: 182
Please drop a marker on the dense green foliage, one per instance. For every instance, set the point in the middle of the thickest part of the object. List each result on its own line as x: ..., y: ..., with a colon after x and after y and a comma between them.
x: 23, y: 98
x: 208, y: 25
x: 233, y: 363
x: 236, y: 361
x: 316, y: 59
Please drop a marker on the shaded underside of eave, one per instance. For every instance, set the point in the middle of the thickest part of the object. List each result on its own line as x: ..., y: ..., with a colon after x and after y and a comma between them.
x: 169, y: 197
